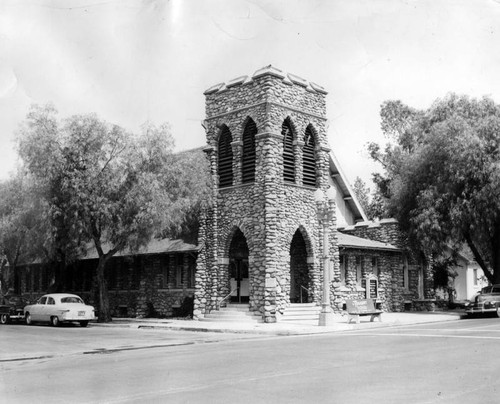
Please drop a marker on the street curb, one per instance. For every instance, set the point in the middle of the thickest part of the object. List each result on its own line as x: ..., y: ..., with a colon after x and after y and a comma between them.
x: 342, y: 327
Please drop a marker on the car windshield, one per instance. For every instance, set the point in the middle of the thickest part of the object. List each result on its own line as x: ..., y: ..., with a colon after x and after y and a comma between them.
x: 71, y: 299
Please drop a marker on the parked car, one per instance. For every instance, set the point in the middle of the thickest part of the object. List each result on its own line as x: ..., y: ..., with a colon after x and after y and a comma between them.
x: 12, y: 308
x: 487, y: 301
x: 57, y: 308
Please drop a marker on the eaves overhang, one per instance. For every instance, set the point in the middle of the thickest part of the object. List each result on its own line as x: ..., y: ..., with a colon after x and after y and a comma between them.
x: 359, y: 243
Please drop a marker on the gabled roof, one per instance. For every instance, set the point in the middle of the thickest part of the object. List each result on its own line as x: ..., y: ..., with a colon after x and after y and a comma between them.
x: 348, y: 241
x: 349, y: 197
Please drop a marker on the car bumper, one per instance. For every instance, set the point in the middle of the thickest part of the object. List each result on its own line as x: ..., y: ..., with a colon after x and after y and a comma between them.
x: 86, y: 317
x: 480, y: 310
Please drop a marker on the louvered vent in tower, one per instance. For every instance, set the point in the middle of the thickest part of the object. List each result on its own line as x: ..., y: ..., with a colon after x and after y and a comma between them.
x: 225, y: 161
x: 288, y: 157
x: 248, y: 159
x: 309, y: 159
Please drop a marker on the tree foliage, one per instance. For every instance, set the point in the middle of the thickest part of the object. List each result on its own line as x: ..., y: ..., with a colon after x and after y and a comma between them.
x: 107, y: 186
x: 442, y: 177
x: 362, y: 193
x: 372, y: 204
x: 20, y: 215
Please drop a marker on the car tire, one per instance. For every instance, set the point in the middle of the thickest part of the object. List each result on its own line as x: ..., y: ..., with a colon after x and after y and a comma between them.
x: 28, y: 320
x: 84, y: 323
x: 54, y: 320
x: 4, y: 318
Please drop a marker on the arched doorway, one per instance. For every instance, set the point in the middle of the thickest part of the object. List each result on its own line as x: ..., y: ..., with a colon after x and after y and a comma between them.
x: 299, y: 272
x: 238, y: 269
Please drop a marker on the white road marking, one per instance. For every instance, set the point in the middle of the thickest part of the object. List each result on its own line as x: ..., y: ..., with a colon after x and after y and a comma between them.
x: 450, y: 329
x: 427, y: 335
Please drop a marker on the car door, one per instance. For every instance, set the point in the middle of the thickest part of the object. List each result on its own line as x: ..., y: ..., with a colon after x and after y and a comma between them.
x: 50, y: 309
x: 38, y: 308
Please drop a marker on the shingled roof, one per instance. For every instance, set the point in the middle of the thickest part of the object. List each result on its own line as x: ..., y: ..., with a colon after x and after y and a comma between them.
x: 348, y: 241
x: 155, y: 246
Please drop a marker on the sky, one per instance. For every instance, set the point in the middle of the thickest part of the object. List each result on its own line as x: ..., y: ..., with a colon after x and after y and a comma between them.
x: 131, y: 61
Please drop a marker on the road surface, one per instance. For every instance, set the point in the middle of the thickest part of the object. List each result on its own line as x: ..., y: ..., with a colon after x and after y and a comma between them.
x: 452, y: 362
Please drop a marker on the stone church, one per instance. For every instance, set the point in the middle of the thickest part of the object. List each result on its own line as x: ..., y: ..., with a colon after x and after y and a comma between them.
x: 263, y: 242
x: 284, y: 219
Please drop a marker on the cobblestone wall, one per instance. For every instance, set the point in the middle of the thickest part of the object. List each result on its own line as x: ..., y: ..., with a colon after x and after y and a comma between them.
x: 268, y: 211
x: 396, y: 292
x: 144, y: 285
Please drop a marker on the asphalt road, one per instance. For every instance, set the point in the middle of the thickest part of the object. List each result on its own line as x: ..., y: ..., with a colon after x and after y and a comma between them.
x: 452, y: 362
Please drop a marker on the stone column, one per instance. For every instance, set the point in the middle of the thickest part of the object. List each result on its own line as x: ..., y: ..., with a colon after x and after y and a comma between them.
x: 322, y: 166
x: 237, y: 147
x: 271, y: 146
x: 298, y: 146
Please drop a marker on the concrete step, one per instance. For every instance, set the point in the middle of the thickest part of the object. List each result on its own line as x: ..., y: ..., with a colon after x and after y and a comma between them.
x: 236, y: 313
x: 297, y: 313
x: 305, y: 309
x: 302, y: 305
x: 235, y: 307
x: 228, y: 313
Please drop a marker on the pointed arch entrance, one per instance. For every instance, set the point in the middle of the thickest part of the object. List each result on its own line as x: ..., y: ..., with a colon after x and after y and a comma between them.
x: 299, y: 271
x: 238, y: 268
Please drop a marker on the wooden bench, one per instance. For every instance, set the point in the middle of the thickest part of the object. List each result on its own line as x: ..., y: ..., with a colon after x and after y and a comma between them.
x: 365, y: 307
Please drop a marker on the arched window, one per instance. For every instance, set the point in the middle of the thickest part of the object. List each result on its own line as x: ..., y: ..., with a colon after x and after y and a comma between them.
x: 248, y: 158
x: 309, y: 159
x: 288, y: 157
x: 225, y: 158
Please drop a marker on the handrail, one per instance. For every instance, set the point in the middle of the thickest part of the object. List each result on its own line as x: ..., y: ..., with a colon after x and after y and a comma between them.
x: 225, y: 298
x: 319, y: 297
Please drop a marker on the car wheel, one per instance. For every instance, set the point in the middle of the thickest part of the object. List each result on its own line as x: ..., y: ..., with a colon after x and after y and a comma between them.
x: 4, y: 318
x: 27, y: 318
x: 54, y: 320
x: 84, y: 323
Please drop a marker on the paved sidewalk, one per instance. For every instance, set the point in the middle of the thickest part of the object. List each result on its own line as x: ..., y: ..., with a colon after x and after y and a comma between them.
x: 340, y: 324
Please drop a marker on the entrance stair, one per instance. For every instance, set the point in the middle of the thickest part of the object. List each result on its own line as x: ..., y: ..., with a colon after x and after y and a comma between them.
x: 301, y: 313
x: 234, y: 313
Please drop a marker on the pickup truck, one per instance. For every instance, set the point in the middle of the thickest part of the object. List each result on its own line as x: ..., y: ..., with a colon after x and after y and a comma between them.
x: 487, y: 301
x: 12, y: 308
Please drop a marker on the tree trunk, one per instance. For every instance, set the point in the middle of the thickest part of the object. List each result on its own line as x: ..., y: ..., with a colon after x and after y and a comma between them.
x: 496, y: 257
x: 490, y: 274
x: 102, y: 291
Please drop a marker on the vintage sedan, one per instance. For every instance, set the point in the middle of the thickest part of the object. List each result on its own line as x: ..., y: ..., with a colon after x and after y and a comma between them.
x: 57, y: 308
x: 11, y: 308
x: 487, y: 301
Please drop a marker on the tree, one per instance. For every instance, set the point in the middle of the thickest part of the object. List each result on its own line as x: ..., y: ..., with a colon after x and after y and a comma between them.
x: 373, y: 204
x: 362, y: 193
x: 19, y: 223
x: 107, y: 186
x: 442, y: 175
